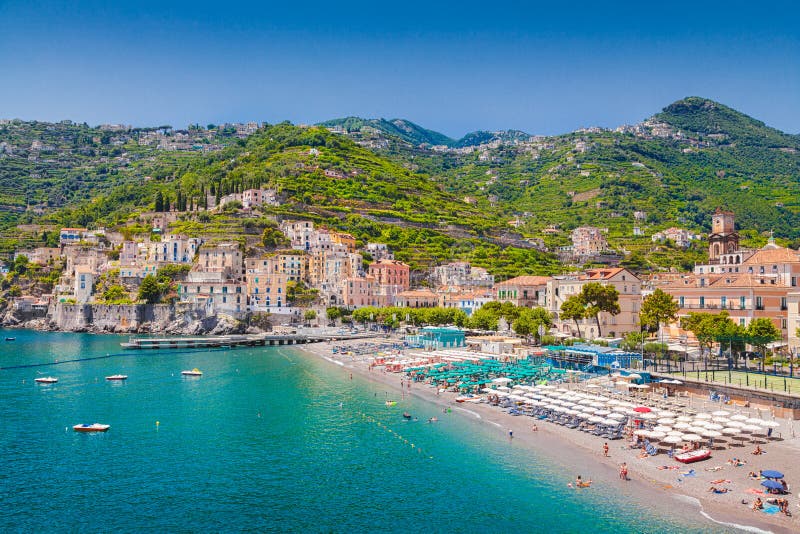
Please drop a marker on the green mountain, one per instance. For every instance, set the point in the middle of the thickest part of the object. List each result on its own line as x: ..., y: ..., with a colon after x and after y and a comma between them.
x: 416, y: 135
x: 400, y: 128
x: 381, y: 182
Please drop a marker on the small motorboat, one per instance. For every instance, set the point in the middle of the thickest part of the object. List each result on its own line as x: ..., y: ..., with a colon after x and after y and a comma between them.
x: 46, y: 380
x: 692, y: 456
x: 193, y: 372
x: 390, y: 403
x: 95, y: 427
x: 406, y: 415
x: 11, y: 339
x: 117, y: 377
x: 468, y: 398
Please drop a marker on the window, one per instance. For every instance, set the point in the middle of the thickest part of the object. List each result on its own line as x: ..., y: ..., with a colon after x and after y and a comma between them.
x: 783, y: 303
x: 783, y: 324
x: 759, y: 303
x: 702, y: 302
x: 723, y: 302
x: 741, y: 321
x: 681, y: 302
x: 741, y: 303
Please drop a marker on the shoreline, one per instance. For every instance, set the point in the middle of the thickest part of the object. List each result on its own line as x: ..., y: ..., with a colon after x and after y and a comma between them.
x: 725, y: 510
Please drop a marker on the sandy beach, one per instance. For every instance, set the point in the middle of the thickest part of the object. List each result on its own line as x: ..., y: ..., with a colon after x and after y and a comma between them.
x: 682, y: 488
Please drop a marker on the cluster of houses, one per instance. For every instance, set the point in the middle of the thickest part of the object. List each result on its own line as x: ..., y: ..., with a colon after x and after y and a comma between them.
x: 747, y: 283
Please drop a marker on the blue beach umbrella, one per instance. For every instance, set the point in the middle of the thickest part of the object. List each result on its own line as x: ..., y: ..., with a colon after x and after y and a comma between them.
x: 769, y: 473
x: 772, y: 484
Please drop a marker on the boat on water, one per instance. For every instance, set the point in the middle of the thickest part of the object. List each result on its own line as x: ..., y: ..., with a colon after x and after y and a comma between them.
x: 193, y: 372
x: 46, y: 380
x: 117, y: 377
x: 468, y: 398
x: 95, y: 427
x: 11, y: 339
x: 406, y: 415
x: 693, y: 456
x: 391, y: 403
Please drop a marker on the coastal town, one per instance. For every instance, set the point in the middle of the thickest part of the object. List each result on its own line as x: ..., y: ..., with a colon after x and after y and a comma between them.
x: 309, y: 270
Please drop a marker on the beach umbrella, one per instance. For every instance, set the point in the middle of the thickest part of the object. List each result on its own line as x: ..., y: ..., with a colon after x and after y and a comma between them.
x: 681, y: 425
x: 721, y: 420
x: 602, y: 413
x: 642, y: 409
x: 692, y: 437
x: 721, y: 413
x: 634, y: 376
x: 644, y: 433
x: 662, y: 428
x: 754, y: 421
x: 772, y: 484
x: 736, y: 424
x: 616, y: 415
x: 658, y: 435
x: 770, y: 424
x: 610, y: 422
x: 588, y: 409
x: 739, y: 417
x: 711, y: 433
x: 685, y: 418
x: 703, y: 416
x: 595, y: 419
x: 730, y: 431
x: 593, y: 386
x: 666, y: 413
x: 598, y: 404
x: 696, y: 429
x: 714, y: 426
x: 702, y: 422
x: 647, y: 416
x: 771, y: 473
x: 672, y: 439
x: 666, y: 421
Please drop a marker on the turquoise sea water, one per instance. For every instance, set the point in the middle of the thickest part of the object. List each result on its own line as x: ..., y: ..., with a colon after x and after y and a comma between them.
x: 268, y: 439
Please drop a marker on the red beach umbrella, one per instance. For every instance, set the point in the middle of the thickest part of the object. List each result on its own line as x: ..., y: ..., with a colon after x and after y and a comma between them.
x: 642, y: 409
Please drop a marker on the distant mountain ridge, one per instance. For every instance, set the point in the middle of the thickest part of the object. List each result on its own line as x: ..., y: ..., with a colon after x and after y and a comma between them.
x: 417, y: 135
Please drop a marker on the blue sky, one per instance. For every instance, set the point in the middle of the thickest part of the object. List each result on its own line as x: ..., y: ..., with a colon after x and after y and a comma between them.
x: 449, y: 66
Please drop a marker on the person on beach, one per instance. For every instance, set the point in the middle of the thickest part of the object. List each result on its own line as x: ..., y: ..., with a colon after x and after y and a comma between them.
x: 605, y: 450
x: 510, y: 435
x: 535, y: 428
x: 758, y: 505
x: 757, y: 450
x: 714, y: 489
x: 623, y: 471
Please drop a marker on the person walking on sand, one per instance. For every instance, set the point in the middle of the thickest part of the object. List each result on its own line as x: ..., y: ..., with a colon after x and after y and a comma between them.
x: 605, y: 450
x: 623, y: 471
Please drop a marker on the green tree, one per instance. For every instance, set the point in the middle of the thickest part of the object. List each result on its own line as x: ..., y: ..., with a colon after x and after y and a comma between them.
x: 115, y: 293
x: 573, y: 309
x: 529, y: 321
x: 159, y: 201
x: 658, y: 308
x: 310, y: 315
x: 21, y: 264
x: 333, y: 313
x: 150, y: 290
x: 762, y: 331
x: 598, y: 298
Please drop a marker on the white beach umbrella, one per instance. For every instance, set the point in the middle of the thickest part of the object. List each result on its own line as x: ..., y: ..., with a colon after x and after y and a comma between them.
x: 736, y: 424
x: 613, y: 402
x: 621, y: 384
x: 731, y: 431
x: 595, y: 419
x: 703, y: 416
x: 721, y: 413
x: 644, y: 433
x: 701, y: 422
x: 754, y: 421
x: 696, y: 429
x: 721, y: 420
x: 711, y: 434
x: 598, y: 404
x: 738, y: 417
x: 675, y: 433
x: 602, y: 413
x: 681, y: 425
x: 588, y: 409
x: 646, y: 416
x: 692, y: 437
x: 662, y: 428
x: 610, y: 422
x: 616, y: 415
x: 666, y: 421
x: 593, y: 386
x: 658, y: 435
x: 666, y: 413
x: 714, y: 426
x: 672, y: 439
x: 770, y: 424
x: 684, y: 418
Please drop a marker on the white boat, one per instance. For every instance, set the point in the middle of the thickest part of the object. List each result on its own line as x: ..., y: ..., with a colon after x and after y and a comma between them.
x: 117, y: 377
x: 95, y: 427
x: 193, y: 372
x: 46, y: 380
